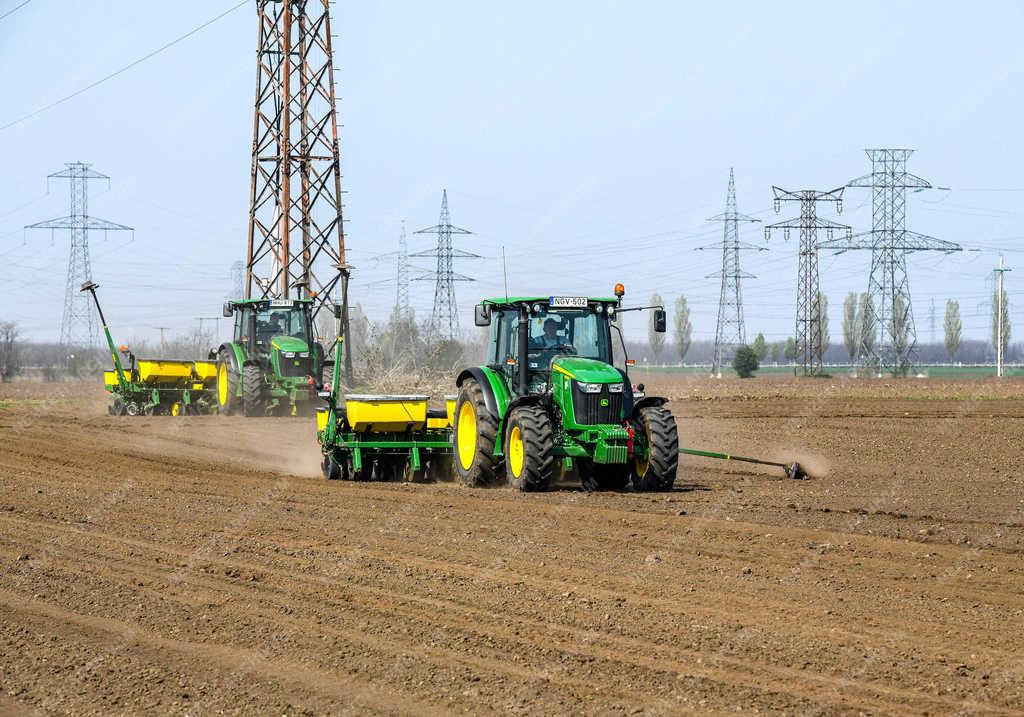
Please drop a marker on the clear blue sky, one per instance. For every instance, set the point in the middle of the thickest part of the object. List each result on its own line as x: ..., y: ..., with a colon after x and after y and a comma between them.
x: 591, y: 139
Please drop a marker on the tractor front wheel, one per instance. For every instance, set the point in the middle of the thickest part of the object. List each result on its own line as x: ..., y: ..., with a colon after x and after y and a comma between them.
x: 529, y: 449
x: 657, y: 471
x: 253, y: 402
x: 227, y: 383
x: 476, y: 432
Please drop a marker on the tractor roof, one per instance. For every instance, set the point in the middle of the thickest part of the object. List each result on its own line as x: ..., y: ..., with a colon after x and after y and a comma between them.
x: 243, y: 302
x: 507, y: 301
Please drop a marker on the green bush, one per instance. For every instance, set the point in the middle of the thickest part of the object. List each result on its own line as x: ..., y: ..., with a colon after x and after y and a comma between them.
x: 745, y: 362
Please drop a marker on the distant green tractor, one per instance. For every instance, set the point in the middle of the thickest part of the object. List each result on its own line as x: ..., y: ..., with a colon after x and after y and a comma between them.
x: 269, y: 366
x: 550, y: 399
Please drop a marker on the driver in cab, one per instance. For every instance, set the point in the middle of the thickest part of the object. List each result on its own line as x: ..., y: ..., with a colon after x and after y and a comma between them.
x: 550, y: 338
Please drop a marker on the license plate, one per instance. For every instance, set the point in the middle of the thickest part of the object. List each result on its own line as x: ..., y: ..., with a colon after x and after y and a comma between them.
x: 281, y: 303
x: 567, y: 302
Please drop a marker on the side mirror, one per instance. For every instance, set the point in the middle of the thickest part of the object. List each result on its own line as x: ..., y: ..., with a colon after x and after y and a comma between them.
x: 337, y: 311
x: 482, y: 315
x: 659, y: 321
x: 229, y: 308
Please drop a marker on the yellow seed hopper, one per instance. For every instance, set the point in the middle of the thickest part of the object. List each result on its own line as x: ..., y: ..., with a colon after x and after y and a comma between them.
x: 380, y: 413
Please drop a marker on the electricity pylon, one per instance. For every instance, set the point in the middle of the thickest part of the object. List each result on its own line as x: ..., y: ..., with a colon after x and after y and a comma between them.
x: 402, y: 278
x: 444, y: 320
x: 1001, y: 331
x: 730, y: 331
x: 78, y: 326
x: 890, y: 313
x: 809, y: 341
x: 296, y: 232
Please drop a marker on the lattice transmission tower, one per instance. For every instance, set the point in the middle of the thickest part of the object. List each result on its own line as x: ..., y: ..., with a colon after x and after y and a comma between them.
x: 79, y: 327
x: 890, y: 313
x: 730, y: 331
x: 809, y: 339
x: 444, y: 320
x: 296, y: 233
x: 402, y: 279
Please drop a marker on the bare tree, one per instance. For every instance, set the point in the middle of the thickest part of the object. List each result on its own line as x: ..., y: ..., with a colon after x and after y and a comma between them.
x: 953, y: 328
x: 683, y: 328
x: 9, y: 363
x: 655, y: 340
x: 850, y: 324
x: 819, y: 323
x: 867, y: 331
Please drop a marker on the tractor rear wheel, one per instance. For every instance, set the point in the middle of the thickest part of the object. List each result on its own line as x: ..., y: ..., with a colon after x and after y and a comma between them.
x: 603, y: 476
x: 253, y: 402
x: 658, y: 470
x: 529, y: 449
x: 476, y: 432
x: 227, y: 382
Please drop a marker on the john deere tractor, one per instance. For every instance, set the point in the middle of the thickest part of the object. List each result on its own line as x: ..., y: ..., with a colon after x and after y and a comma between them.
x: 550, y: 399
x: 267, y: 368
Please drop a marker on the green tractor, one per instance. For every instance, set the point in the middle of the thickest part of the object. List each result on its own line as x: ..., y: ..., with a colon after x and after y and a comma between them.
x: 270, y: 365
x: 550, y: 399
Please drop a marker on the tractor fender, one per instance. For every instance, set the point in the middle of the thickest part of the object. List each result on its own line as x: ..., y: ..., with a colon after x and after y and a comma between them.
x: 649, y: 401
x: 235, y: 351
x: 477, y: 374
x: 539, y: 399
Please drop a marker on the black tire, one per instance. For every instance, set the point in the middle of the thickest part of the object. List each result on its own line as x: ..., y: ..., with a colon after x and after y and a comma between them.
x: 253, y: 401
x: 535, y: 461
x: 440, y: 468
x: 391, y: 468
x: 602, y: 476
x: 363, y: 474
x: 227, y: 395
x: 330, y: 468
x: 483, y: 467
x: 657, y: 426
x: 117, y: 407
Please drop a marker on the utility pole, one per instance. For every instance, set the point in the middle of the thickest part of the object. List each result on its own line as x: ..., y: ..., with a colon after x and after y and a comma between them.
x: 891, y: 309
x: 931, y: 321
x: 808, y: 322
x: 161, y: 329
x: 78, y: 326
x: 730, y: 331
x: 1000, y: 273
x: 444, y: 320
x: 296, y: 242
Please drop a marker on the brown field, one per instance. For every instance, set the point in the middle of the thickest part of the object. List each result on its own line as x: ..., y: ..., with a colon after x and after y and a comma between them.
x: 201, y: 566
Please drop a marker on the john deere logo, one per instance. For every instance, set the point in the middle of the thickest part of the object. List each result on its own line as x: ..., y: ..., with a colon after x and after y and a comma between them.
x: 604, y: 402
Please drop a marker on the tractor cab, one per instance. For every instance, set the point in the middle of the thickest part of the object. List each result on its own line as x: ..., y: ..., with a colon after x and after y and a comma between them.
x: 536, y: 335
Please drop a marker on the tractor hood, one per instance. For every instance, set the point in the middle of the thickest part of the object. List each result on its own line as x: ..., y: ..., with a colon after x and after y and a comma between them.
x: 289, y: 344
x: 587, y: 370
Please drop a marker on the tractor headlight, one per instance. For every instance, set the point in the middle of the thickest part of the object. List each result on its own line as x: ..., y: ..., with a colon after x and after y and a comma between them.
x: 611, y: 311
x: 288, y: 354
x: 599, y: 309
x: 590, y: 387
x: 304, y: 354
x: 615, y: 388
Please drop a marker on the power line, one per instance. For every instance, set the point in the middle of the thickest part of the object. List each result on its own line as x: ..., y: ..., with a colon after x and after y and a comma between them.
x: 127, y: 67
x: 14, y: 9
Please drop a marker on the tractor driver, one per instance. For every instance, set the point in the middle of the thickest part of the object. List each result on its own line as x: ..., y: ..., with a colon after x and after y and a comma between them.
x: 275, y: 324
x: 550, y: 338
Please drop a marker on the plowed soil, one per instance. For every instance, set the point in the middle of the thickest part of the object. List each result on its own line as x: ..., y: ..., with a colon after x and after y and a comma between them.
x: 202, y: 566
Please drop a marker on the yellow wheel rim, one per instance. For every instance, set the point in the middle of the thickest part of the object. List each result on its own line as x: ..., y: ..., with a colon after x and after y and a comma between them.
x: 222, y: 384
x: 176, y: 409
x: 466, y: 435
x: 515, y: 451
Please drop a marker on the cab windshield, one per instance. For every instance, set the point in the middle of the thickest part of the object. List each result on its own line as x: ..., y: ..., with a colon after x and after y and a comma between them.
x: 562, y: 332
x: 276, y: 321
